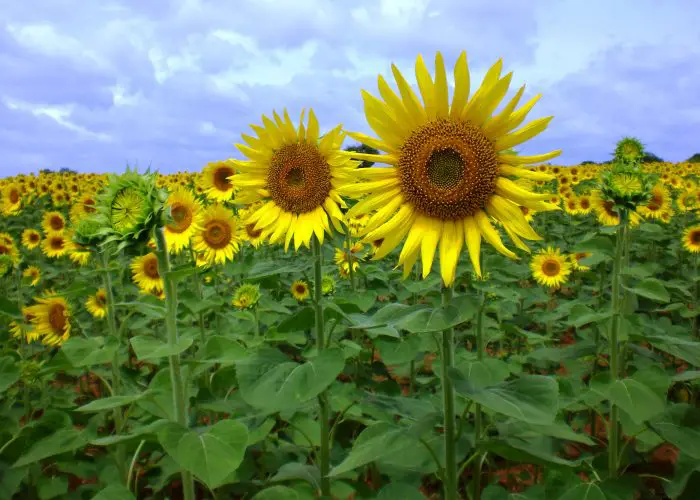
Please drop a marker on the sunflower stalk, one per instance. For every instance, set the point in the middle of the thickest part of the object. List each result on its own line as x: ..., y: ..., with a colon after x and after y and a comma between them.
x: 696, y: 292
x: 324, y: 407
x: 448, y: 401
x: 179, y: 404
x: 478, y: 411
x: 114, y: 332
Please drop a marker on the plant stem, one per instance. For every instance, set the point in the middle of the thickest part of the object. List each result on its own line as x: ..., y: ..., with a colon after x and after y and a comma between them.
x: 116, y: 362
x: 695, y: 295
x: 324, y: 409
x: 449, y: 483
x: 478, y: 413
x: 348, y: 245
x: 179, y: 404
x: 617, y: 304
x: 200, y: 296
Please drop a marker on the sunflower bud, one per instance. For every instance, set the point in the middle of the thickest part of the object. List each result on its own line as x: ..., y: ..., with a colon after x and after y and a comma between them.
x: 88, y: 232
x: 246, y: 296
x: 327, y: 284
x: 629, y: 151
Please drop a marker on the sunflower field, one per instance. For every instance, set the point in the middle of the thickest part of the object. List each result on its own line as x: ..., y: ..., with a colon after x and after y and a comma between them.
x: 456, y: 321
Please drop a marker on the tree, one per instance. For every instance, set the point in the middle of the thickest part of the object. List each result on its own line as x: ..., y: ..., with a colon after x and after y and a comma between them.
x: 364, y: 149
x: 650, y: 157
x: 588, y: 162
x: 694, y: 159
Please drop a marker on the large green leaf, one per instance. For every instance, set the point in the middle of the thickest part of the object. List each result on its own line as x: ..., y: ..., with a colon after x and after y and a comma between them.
x: 62, y: 441
x: 110, y: 403
x: 637, y: 399
x: 224, y: 350
x: 584, y: 491
x: 9, y: 372
x: 460, y: 310
x: 403, y: 491
x: 114, y: 492
x: 679, y: 426
x: 150, y: 348
x: 270, y: 381
x: 277, y: 493
x: 532, y: 398
x: 650, y: 288
x: 90, y: 351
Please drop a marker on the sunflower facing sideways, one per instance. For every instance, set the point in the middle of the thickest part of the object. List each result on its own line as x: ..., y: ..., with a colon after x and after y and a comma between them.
x: 216, y: 238
x: 449, y: 168
x: 297, y: 177
x: 144, y: 271
x: 184, y: 212
x: 550, y: 268
x: 97, y: 304
x: 32, y: 274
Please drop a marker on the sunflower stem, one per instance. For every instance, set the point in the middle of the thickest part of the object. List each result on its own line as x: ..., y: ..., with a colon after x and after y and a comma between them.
x: 449, y: 483
x: 478, y: 411
x: 324, y: 408
x: 116, y: 363
x: 348, y: 246
x: 200, y: 296
x: 617, y: 304
x: 695, y: 295
x: 179, y: 404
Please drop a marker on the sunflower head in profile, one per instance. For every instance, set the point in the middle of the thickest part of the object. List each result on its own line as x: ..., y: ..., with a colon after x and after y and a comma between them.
x: 88, y: 232
x: 79, y: 254
x: 11, y: 198
x: 691, y: 239
x: 50, y: 317
x: 248, y: 232
x: 296, y: 174
x: 687, y: 201
x: 300, y: 290
x: 658, y: 203
x: 144, y: 271
x: 53, y: 222
x: 56, y: 245
x: 449, y: 171
x: 97, y: 304
x: 31, y: 238
x: 183, y: 212
x: 130, y: 206
x: 216, y: 181
x: 576, y: 259
x: 32, y: 275
x: 550, y: 268
x: 217, y: 238
x: 246, y: 296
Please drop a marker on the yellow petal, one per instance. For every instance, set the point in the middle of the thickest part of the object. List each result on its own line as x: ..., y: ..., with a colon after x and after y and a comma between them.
x: 290, y: 231
x: 426, y: 87
x: 491, y: 235
x: 360, y: 188
x: 302, y: 130
x: 489, y: 101
x: 395, y: 103
x: 461, y: 94
x: 382, y: 215
x: 521, y: 135
x: 450, y: 247
x: 441, y: 101
x: 510, y: 190
x: 393, y: 239
x: 408, y: 97
x: 510, y: 214
x: 525, y: 173
x: 527, y: 160
x: 372, y: 142
x: 401, y: 217
x: 490, y: 79
x: 516, y: 118
x: 312, y: 128
x: 472, y: 238
x: 429, y: 244
x: 415, y: 235
x: 370, y: 203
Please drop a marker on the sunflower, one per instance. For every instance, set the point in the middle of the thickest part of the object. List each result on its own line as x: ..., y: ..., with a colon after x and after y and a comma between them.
x: 24, y: 330
x: 216, y: 239
x: 246, y: 296
x: 216, y: 181
x: 144, y: 271
x: 78, y: 254
x: 55, y: 245
x: 184, y: 212
x: 584, y: 204
x: 31, y: 238
x: 53, y: 222
x: 297, y: 176
x: 687, y: 201
x: 300, y: 290
x: 51, y: 319
x: 248, y: 232
x: 11, y: 199
x: 607, y: 215
x: 32, y: 274
x: 691, y: 239
x: 659, y: 202
x: 327, y: 284
x: 344, y: 257
x: 550, y: 268
x: 449, y: 169
x: 97, y: 304
x: 575, y: 259
x: 571, y: 206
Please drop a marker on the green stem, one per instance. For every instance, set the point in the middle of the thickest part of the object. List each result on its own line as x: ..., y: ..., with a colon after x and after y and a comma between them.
x: 617, y: 304
x: 324, y: 407
x: 448, y: 401
x: 179, y: 404
x: 114, y: 332
x: 696, y: 292
x: 348, y: 246
x: 200, y: 296
x: 478, y: 412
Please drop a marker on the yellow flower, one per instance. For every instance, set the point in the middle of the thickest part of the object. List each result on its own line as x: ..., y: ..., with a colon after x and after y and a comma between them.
x: 216, y: 239
x: 185, y: 213
x: 11, y: 199
x: 32, y: 274
x: 691, y: 239
x: 216, y: 181
x: 51, y: 319
x: 300, y: 290
x: 79, y: 255
x: 297, y: 177
x: 449, y: 168
x: 31, y: 238
x: 144, y: 271
x: 687, y: 201
x: 571, y: 205
x: 550, y: 268
x: 659, y: 203
x: 246, y: 296
x: 248, y: 232
x: 584, y: 204
x: 97, y: 304
x: 53, y: 222
x: 55, y: 245
x: 575, y: 259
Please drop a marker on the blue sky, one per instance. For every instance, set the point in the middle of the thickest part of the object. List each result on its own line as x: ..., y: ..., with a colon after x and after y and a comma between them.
x: 173, y: 83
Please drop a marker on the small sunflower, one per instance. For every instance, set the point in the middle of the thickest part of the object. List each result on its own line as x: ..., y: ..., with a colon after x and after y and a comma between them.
x: 687, y: 201
x: 97, y: 304
x: 144, y: 271
x: 53, y: 222
x: 300, y: 290
x: 659, y: 202
x: 51, y: 319
x: 217, y: 238
x: 55, y: 245
x: 79, y: 254
x: 691, y: 239
x: 216, y: 181
x: 31, y: 238
x: 184, y: 212
x: 550, y: 268
x: 584, y: 204
x: 629, y: 150
x: 246, y: 296
x: 24, y: 330
x: 11, y: 199
x: 571, y: 206
x: 32, y: 274
x: 576, y: 259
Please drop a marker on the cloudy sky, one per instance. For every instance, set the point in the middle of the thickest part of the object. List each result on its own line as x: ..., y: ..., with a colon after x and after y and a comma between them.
x: 94, y: 85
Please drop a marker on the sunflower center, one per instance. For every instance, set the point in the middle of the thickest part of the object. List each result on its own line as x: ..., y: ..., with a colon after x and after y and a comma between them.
x: 585, y: 204
x: 608, y: 207
x: 150, y: 268
x: 89, y: 206
x: 33, y: 237
x: 448, y: 169
x: 14, y: 196
x: 217, y: 234
x: 4, y: 250
x: 655, y: 202
x: 56, y: 223
x: 100, y: 298
x: 252, y: 232
x: 299, y: 179
x: 300, y: 289
x: 57, y: 243
x: 221, y: 180
x: 57, y: 317
x: 182, y: 216
x: 695, y: 237
x: 550, y: 268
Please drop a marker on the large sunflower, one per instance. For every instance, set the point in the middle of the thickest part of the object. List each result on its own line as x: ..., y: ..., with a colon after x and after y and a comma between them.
x: 184, y: 212
x: 51, y: 319
x: 144, y: 271
x: 449, y: 167
x: 297, y: 177
x: 216, y: 180
x: 53, y: 222
x: 31, y: 238
x: 550, y: 268
x: 217, y: 237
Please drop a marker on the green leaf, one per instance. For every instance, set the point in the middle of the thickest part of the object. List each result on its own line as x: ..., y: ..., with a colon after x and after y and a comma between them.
x: 52, y: 487
x: 277, y: 493
x: 9, y: 372
x: 678, y: 425
x: 114, y: 492
x: 301, y: 319
x: 581, y: 315
x: 224, y: 350
x: 584, y: 491
x: 532, y: 398
x: 295, y: 470
x: 269, y: 380
x: 651, y: 288
x: 394, y: 491
x: 109, y: 403
x: 460, y: 310
x: 637, y: 399
x: 395, y: 352
x: 151, y: 348
x: 62, y: 441
x: 9, y: 308
x: 90, y: 351
x: 212, y: 455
